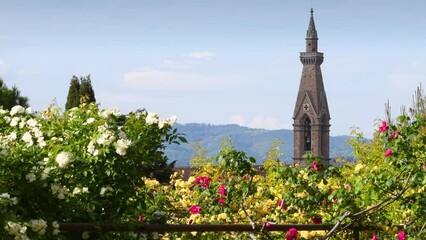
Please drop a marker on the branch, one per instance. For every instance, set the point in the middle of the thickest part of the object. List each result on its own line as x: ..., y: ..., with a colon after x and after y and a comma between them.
x: 377, y: 206
x: 423, y: 227
x: 252, y: 223
x: 336, y: 226
x: 388, y: 200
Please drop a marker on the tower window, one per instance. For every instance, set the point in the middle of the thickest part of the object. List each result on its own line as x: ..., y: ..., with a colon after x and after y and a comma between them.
x: 307, y: 134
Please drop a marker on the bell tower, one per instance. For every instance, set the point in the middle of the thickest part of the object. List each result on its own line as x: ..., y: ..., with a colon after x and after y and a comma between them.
x: 311, y: 116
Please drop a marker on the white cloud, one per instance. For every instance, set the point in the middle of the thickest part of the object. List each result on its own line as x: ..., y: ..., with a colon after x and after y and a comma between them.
x: 189, y: 60
x: 200, y: 55
x: 266, y: 122
x: 179, y: 64
x: 237, y: 119
x: 152, y: 79
x: 263, y: 122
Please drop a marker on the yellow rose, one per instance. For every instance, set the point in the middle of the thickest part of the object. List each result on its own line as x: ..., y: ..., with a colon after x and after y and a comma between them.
x: 359, y: 166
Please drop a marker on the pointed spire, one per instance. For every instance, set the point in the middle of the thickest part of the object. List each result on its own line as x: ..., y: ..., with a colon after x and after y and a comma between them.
x: 312, y: 32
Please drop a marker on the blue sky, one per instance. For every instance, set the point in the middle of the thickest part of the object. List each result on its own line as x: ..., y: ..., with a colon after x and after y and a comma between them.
x: 217, y: 62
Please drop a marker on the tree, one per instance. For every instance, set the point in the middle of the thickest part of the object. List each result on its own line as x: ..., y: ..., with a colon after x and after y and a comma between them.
x: 73, y: 98
x: 80, y: 91
x: 11, y: 97
x: 86, y: 90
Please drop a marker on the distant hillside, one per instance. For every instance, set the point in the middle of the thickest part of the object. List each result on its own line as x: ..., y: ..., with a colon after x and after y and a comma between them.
x: 255, y: 142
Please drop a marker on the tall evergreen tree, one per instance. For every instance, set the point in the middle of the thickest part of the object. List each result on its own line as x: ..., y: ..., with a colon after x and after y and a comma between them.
x: 11, y: 97
x: 73, y: 98
x: 86, y: 90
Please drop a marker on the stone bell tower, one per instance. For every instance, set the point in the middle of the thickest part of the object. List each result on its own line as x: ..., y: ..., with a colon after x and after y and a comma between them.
x: 311, y: 115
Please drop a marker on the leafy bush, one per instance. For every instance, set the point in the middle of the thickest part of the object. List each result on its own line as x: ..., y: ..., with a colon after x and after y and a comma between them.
x: 83, y: 165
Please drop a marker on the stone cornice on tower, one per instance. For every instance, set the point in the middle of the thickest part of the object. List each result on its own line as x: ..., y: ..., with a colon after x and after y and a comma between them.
x: 311, y: 58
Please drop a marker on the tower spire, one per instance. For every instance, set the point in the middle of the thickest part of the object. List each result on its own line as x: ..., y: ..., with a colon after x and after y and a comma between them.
x: 312, y: 32
x: 311, y: 114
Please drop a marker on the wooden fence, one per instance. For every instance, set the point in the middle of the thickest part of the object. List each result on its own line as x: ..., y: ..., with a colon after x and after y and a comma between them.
x: 162, y: 228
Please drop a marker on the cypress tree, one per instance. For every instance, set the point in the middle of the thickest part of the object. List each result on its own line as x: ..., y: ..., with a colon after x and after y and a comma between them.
x: 11, y: 97
x: 73, y: 98
x: 86, y: 90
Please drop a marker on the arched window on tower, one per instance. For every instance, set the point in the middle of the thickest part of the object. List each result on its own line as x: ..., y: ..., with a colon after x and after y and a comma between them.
x: 307, y: 137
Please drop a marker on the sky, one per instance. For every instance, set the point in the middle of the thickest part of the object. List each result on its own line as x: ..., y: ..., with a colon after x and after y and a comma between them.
x: 217, y: 62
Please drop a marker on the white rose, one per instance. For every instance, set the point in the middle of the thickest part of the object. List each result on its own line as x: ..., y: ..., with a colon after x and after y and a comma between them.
x: 16, y: 109
x: 28, y: 138
x: 32, y: 123
x: 12, y: 136
x: 63, y: 159
x: 90, y: 120
x: 151, y: 118
x: 5, y: 195
x: 14, y: 121
x: 39, y: 226
x: 168, y: 121
x: 31, y: 177
x: 172, y: 120
x: 76, y: 191
x: 122, y: 146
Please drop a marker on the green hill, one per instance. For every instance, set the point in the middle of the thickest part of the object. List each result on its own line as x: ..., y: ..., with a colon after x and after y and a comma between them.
x: 255, y: 142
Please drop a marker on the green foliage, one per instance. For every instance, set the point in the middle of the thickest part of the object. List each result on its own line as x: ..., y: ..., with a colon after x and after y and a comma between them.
x: 11, y: 97
x: 80, y: 92
x: 89, y: 166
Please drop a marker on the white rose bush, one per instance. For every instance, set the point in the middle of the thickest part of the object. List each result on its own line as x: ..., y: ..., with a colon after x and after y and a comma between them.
x: 82, y: 165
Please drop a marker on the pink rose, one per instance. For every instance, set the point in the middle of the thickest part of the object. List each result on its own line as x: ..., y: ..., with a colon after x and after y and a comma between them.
x: 383, y: 127
x: 292, y: 234
x: 222, y: 190
x: 221, y: 201
x: 374, y: 237
x: 203, y: 181
x: 315, y: 166
x: 394, y: 134
x: 281, y: 204
x: 195, y: 209
x: 401, y: 235
x: 388, y: 152
x: 268, y: 225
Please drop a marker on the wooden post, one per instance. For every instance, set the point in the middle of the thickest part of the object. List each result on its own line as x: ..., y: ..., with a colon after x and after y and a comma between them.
x: 356, y: 233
